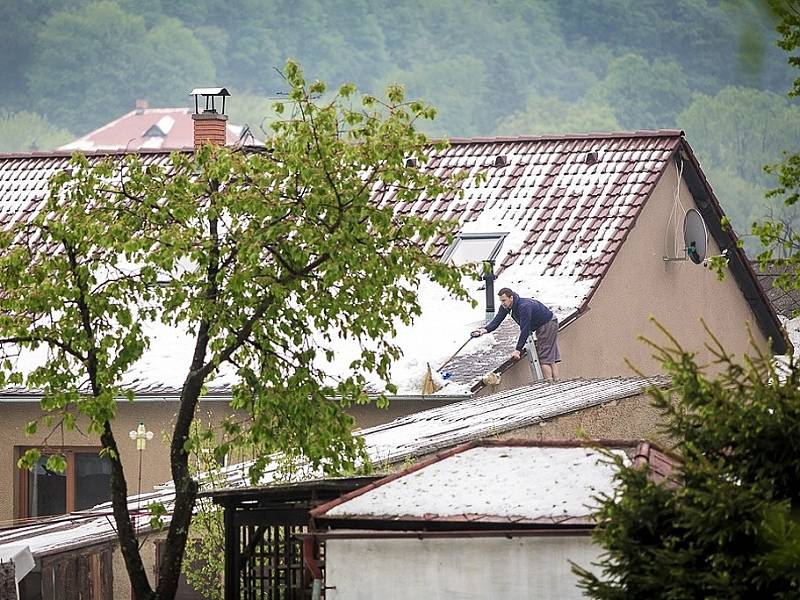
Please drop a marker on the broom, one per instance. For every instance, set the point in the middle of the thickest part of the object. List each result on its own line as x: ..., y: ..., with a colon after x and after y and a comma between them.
x: 429, y: 386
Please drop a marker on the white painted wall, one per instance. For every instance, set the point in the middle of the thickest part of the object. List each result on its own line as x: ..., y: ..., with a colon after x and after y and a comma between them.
x: 525, y: 568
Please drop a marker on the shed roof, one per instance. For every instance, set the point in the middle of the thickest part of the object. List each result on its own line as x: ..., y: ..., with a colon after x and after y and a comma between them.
x: 490, y: 482
x: 407, y: 437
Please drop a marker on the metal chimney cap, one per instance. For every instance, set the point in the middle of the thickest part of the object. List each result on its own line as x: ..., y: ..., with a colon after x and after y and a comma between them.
x: 219, y: 91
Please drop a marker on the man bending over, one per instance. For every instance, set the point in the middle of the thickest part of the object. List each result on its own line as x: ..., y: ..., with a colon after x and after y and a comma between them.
x: 531, y: 315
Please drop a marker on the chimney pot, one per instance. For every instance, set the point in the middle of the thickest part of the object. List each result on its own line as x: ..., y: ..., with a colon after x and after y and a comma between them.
x: 210, y: 126
x: 142, y: 103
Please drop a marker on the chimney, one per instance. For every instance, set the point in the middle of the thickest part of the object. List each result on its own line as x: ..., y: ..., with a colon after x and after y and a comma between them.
x: 210, y: 126
x: 489, y: 277
x: 142, y: 103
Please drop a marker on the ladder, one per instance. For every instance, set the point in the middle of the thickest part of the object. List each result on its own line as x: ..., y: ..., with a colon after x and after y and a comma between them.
x: 533, y: 357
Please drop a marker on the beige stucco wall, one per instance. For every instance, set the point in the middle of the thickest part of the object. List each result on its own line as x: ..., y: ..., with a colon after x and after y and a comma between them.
x: 158, y: 416
x: 633, y: 418
x: 640, y: 284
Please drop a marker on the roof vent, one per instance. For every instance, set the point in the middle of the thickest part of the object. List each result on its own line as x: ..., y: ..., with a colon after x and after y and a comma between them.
x: 154, y: 131
x: 590, y: 158
x: 412, y: 162
x: 501, y: 160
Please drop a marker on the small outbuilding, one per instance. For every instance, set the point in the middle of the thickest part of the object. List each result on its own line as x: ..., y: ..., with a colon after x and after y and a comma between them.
x: 489, y: 519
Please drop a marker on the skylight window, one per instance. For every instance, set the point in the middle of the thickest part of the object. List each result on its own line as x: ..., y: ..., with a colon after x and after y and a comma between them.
x: 474, y: 248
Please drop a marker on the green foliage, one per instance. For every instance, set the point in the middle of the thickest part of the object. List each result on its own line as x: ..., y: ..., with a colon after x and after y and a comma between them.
x: 27, y: 132
x: 254, y: 111
x: 741, y: 129
x: 778, y: 233
x: 643, y: 95
x: 553, y: 116
x: 97, y: 60
x: 268, y: 258
x: 730, y: 528
x: 205, y: 558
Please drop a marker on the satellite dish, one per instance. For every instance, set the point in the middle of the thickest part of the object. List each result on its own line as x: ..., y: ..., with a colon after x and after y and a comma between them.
x: 695, y: 236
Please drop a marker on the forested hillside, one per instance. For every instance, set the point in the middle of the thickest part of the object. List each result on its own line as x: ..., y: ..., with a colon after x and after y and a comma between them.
x: 493, y: 67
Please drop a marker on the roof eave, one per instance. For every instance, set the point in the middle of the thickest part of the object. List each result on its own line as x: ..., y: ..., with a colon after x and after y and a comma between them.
x: 738, y: 264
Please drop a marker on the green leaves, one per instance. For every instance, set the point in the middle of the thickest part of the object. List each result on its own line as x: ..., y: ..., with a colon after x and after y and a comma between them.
x: 729, y: 527
x: 157, y: 512
x: 271, y: 261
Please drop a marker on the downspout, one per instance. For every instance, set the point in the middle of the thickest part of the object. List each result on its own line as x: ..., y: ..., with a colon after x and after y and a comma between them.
x: 489, y: 277
x: 311, y: 564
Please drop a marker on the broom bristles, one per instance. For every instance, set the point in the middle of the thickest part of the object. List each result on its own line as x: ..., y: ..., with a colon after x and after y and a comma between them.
x: 428, y: 384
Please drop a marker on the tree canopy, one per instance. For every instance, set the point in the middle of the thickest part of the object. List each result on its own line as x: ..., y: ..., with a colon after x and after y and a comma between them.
x: 486, y: 66
x: 262, y: 260
x: 726, y: 525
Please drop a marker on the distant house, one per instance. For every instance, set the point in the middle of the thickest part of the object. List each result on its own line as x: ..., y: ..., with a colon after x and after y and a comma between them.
x: 150, y: 129
x: 490, y: 519
x: 785, y: 302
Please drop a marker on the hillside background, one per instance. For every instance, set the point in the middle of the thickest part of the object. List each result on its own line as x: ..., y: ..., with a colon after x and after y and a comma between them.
x: 491, y: 67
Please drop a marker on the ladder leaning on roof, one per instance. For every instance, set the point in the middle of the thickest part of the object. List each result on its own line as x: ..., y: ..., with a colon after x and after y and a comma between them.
x: 533, y: 357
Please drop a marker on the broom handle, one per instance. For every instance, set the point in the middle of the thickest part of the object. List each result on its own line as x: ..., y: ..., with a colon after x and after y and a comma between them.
x: 447, y: 362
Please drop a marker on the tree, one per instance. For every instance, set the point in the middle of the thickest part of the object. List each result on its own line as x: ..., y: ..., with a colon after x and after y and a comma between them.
x: 726, y: 526
x: 741, y: 130
x: 264, y: 260
x: 643, y: 95
x: 551, y: 115
x: 26, y: 132
x: 91, y: 64
x: 782, y: 243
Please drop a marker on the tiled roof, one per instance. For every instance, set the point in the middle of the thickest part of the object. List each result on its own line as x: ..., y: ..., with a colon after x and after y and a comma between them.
x: 785, y: 302
x: 148, y: 128
x: 566, y: 202
x: 404, y: 438
x: 490, y: 482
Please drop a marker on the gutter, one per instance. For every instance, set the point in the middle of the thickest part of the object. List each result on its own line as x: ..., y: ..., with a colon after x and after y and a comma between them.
x: 464, y: 533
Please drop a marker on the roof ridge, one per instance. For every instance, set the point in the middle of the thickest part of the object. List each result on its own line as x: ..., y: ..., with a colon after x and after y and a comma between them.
x: 639, y: 133
x: 97, y: 152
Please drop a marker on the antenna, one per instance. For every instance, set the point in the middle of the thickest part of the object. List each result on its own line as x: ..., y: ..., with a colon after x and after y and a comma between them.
x: 695, y: 236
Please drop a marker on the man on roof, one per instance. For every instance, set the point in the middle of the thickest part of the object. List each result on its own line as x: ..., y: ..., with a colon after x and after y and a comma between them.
x: 531, y: 316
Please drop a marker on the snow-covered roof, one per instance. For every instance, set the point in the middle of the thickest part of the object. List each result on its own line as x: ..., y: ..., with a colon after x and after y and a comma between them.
x: 567, y: 203
x: 148, y: 128
x: 408, y: 437
x: 495, y: 482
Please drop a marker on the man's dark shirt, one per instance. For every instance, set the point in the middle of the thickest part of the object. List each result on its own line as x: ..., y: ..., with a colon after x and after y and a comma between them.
x: 529, y: 314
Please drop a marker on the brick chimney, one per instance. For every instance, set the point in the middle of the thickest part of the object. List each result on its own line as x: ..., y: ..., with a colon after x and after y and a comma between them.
x: 210, y: 126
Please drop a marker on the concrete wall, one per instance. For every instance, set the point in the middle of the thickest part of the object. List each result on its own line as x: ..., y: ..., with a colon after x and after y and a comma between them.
x: 467, y: 569
x: 640, y: 284
x: 158, y: 417
x: 633, y: 418
x: 368, y: 415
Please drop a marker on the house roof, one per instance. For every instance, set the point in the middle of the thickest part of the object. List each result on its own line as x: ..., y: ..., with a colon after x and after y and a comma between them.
x: 785, y: 302
x: 408, y: 437
x: 431, y: 430
x: 566, y: 202
x: 150, y: 128
x: 490, y: 482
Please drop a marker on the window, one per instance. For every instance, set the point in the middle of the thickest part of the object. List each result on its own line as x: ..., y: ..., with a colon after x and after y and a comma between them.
x: 85, y: 483
x: 474, y: 248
